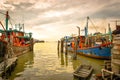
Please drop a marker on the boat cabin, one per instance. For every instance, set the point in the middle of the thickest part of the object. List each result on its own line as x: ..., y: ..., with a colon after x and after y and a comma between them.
x: 15, y: 37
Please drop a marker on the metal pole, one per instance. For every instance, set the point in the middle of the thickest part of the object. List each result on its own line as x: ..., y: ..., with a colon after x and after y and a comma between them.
x: 23, y: 28
x: 7, y: 17
x: 78, y: 30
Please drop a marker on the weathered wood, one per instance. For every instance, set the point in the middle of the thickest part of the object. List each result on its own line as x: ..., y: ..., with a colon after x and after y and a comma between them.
x: 75, y: 49
x: 31, y: 44
x: 107, y: 65
x: 66, y: 47
x: 8, y: 64
x: 62, y: 45
x: 58, y: 45
x: 115, y: 68
x: 116, y: 54
x: 116, y: 47
x: 83, y: 71
x: 115, y: 51
x: 109, y: 73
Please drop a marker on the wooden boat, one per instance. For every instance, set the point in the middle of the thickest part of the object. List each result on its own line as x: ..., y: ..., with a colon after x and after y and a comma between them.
x: 7, y: 60
x: 83, y: 71
x: 20, y: 41
x: 97, y: 45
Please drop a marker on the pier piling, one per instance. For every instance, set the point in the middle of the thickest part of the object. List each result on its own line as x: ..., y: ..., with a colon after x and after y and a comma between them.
x: 58, y: 45
x: 66, y: 47
x: 62, y: 45
x: 75, y: 49
x: 116, y: 54
x: 115, y: 60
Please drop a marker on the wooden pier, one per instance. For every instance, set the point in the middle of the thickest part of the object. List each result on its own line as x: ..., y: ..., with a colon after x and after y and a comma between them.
x: 113, y: 72
x: 116, y: 54
x: 7, y: 66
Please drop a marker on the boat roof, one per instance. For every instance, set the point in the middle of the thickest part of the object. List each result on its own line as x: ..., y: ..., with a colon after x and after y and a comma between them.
x: 23, y: 37
x: 15, y: 30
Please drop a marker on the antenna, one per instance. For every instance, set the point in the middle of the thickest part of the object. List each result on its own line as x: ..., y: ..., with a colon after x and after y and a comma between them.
x: 23, y: 23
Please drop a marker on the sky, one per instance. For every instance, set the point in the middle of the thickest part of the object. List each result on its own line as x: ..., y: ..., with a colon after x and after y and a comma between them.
x: 53, y: 19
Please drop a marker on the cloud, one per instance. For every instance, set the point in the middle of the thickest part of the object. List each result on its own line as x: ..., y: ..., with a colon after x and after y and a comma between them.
x: 109, y: 11
x: 58, y: 16
x: 4, y: 6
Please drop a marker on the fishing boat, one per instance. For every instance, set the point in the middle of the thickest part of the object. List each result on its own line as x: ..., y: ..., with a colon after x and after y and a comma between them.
x: 8, y: 60
x: 20, y: 41
x: 83, y: 72
x: 97, y: 45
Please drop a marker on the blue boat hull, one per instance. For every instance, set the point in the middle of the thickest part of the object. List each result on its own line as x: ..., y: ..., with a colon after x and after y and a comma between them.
x: 95, y: 52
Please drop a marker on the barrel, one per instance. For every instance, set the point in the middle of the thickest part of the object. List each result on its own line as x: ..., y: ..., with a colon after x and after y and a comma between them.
x: 115, y: 59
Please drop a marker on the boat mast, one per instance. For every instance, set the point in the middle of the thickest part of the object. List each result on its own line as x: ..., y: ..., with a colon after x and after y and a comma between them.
x: 78, y: 31
x: 86, y: 31
x: 110, y: 33
x: 23, y: 28
x: 86, y: 28
x: 7, y: 17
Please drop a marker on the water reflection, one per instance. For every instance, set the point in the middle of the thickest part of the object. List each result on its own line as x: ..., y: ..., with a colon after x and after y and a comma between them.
x: 46, y: 63
x: 64, y: 59
x: 24, y: 61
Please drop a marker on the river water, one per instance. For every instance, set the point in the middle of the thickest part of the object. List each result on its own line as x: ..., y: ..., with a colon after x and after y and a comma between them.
x: 45, y: 63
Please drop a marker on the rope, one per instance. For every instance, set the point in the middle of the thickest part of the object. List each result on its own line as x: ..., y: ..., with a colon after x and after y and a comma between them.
x: 93, y: 24
x: 9, y: 19
x: 11, y: 23
x: 2, y: 25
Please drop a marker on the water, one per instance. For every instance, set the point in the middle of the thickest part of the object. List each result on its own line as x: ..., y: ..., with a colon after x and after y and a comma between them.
x: 45, y: 63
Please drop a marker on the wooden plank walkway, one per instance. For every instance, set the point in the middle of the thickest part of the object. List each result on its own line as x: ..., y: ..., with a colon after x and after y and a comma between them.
x: 9, y: 63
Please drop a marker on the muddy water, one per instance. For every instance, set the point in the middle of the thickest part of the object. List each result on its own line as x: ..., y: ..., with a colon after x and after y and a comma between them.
x: 45, y: 63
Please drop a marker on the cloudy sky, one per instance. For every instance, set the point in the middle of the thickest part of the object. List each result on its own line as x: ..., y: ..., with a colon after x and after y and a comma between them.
x: 53, y: 19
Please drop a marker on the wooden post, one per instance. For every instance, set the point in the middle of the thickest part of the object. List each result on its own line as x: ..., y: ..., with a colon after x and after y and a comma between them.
x: 62, y: 45
x: 75, y: 49
x: 66, y: 47
x: 115, y: 59
x: 31, y: 44
x: 5, y: 51
x: 66, y: 60
x: 62, y: 59
x: 58, y: 45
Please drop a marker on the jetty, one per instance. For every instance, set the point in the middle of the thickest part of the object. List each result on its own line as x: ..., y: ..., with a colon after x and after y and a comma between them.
x: 9, y: 64
x: 106, y: 46
x: 111, y: 70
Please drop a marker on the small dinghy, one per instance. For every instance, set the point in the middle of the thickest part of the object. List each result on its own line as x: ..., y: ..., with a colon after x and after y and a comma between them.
x: 83, y: 71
